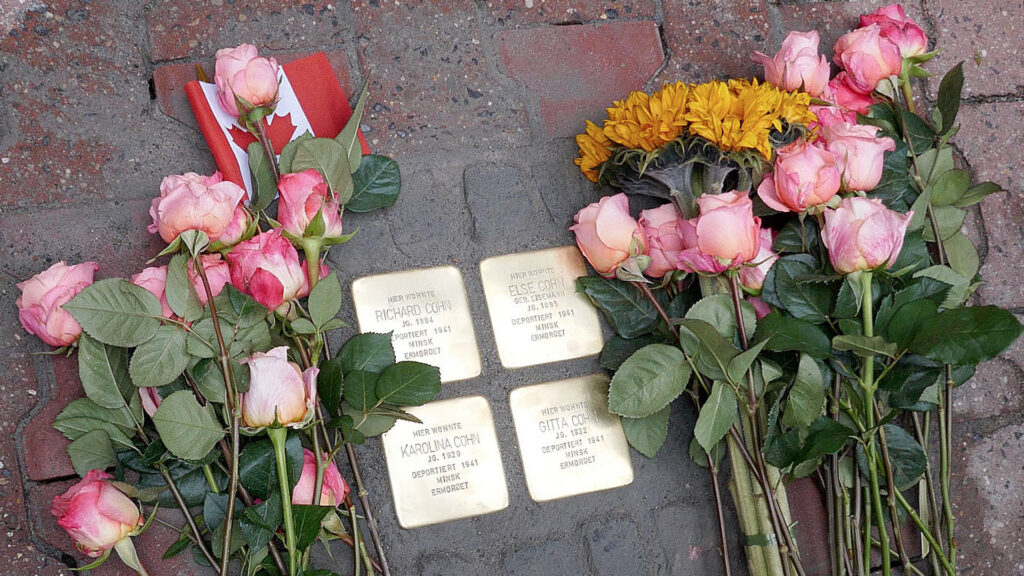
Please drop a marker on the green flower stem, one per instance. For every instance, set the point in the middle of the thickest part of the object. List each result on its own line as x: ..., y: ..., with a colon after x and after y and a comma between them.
x: 268, y: 148
x: 311, y: 247
x: 210, y: 481
x: 937, y: 549
x: 126, y: 550
x: 278, y: 436
x: 746, y: 510
x: 868, y: 383
x: 358, y: 557
x: 891, y: 487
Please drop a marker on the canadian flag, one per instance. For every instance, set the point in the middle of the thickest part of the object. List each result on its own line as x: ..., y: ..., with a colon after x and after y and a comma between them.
x: 310, y: 100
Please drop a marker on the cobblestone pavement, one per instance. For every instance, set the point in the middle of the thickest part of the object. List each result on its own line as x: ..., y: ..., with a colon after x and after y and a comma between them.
x: 478, y: 101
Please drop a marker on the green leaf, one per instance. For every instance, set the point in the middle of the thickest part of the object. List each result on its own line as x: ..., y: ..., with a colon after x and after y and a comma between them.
x: 947, y: 188
x: 966, y: 335
x: 977, y: 193
x: 329, y: 158
x: 918, y: 132
x: 962, y: 255
x: 784, y: 334
x: 370, y: 352
x: 718, y: 311
x: 369, y: 425
x: 74, y: 428
x: 700, y: 457
x: 935, y: 161
x: 325, y: 299
x: 647, y: 434
x: 284, y: 163
x: 103, y: 371
x: 806, y: 396
x: 178, y: 547
x: 959, y: 287
x: 180, y: 293
x: 810, y: 301
x: 92, y: 451
x: 86, y: 408
x: 740, y: 363
x: 409, y: 383
x: 195, y: 241
x: 257, y: 467
x: 307, y: 523
x: 215, y: 507
x: 949, y: 95
x: 717, y: 415
x: 627, y: 311
x: 187, y: 429
x: 302, y: 326
x: 209, y: 380
x: 160, y: 360
x: 906, y: 455
x: 376, y: 184
x: 712, y: 353
x: 259, y: 522
x: 648, y: 381
x: 360, y: 390
x: 865, y: 346
x: 825, y: 436
x: 264, y: 188
x: 349, y: 135
x: 116, y: 312
x: 907, y: 320
x: 949, y: 220
x: 329, y: 384
x: 617, y: 349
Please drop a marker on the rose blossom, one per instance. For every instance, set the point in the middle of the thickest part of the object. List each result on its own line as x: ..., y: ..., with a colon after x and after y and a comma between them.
x: 96, y: 514
x: 150, y: 400
x: 302, y: 195
x: 805, y: 175
x: 193, y: 202
x: 902, y: 31
x: 218, y: 273
x: 278, y: 390
x: 607, y: 235
x: 661, y: 228
x: 235, y: 231
x: 267, y: 268
x: 859, y: 153
x: 761, y: 308
x: 240, y: 73
x: 862, y: 234
x: 332, y: 492
x: 752, y: 275
x: 154, y: 280
x: 868, y: 57
x: 39, y: 306
x: 723, y: 236
x: 797, y: 64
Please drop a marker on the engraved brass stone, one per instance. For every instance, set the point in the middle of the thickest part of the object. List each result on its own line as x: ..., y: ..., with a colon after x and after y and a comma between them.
x: 428, y: 313
x: 447, y: 468
x: 569, y: 442
x: 536, y: 314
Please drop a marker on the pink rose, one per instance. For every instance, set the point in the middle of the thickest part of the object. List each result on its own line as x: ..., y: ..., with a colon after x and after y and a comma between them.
x: 150, y: 400
x: 267, y: 268
x: 848, y: 97
x: 218, y: 273
x: 797, y: 65
x: 902, y: 31
x: 194, y: 202
x: 332, y: 492
x: 235, y: 231
x: 805, y: 175
x: 607, y: 235
x: 661, y: 228
x: 154, y: 280
x: 96, y: 514
x: 761, y: 308
x: 302, y: 195
x: 753, y: 273
x: 278, y: 391
x: 39, y: 306
x: 868, y: 57
x: 859, y: 153
x: 243, y: 77
x: 862, y: 234
x: 723, y: 236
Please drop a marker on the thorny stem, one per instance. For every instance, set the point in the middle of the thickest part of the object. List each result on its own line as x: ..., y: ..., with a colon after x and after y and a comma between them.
x: 721, y: 518
x: 657, y: 306
x: 891, y: 487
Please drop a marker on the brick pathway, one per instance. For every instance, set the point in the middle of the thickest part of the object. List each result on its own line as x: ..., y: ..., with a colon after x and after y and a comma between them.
x: 478, y: 101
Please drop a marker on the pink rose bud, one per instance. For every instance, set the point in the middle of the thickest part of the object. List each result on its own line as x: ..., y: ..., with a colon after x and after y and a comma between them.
x: 661, y: 227
x: 607, y: 235
x: 267, y: 268
x: 849, y: 98
x: 752, y: 274
x: 235, y: 230
x: 332, y: 492
x: 218, y: 273
x: 243, y: 77
x: 194, y: 202
x: 303, y: 194
x: 902, y: 31
x: 154, y: 280
x: 278, y: 391
x: 96, y: 514
x: 868, y: 57
x: 39, y: 306
x: 859, y: 153
x: 150, y: 400
x: 723, y: 236
x: 797, y: 65
x: 805, y: 175
x: 862, y: 234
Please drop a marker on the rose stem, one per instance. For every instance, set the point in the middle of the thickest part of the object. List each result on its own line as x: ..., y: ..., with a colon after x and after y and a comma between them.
x: 278, y: 436
x: 268, y: 150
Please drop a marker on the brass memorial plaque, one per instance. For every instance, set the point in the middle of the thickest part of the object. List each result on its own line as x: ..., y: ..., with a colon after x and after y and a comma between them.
x: 535, y: 311
x: 569, y: 442
x: 428, y: 313
x: 447, y: 468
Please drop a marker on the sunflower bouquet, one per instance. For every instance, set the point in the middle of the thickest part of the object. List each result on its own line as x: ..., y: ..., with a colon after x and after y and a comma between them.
x: 807, y: 286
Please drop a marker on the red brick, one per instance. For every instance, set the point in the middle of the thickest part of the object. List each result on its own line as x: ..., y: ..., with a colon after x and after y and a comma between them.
x: 515, y: 13
x: 713, y: 38
x: 169, y: 81
x: 576, y: 71
x: 44, y: 447
x: 986, y: 37
x: 808, y: 513
x: 429, y: 81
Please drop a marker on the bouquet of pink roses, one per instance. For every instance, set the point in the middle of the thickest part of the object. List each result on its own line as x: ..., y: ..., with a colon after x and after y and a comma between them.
x: 208, y: 380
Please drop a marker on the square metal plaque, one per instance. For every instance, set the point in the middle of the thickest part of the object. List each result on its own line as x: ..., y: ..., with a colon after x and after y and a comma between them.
x: 536, y: 314
x: 428, y: 314
x: 569, y: 442
x: 447, y: 468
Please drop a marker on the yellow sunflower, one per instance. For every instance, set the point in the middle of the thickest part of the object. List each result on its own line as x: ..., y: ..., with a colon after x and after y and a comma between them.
x: 594, y: 150
x: 648, y: 121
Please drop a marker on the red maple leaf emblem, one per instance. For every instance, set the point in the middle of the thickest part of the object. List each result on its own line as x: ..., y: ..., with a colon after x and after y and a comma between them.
x: 280, y: 132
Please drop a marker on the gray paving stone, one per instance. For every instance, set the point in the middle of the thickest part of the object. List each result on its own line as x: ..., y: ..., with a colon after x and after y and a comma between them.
x: 614, y: 546
x: 552, y: 558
